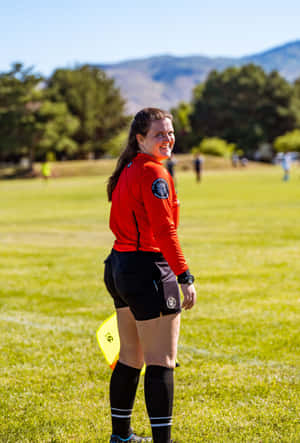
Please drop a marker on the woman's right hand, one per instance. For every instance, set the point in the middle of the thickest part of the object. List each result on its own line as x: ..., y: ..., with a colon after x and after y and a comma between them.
x: 189, y: 294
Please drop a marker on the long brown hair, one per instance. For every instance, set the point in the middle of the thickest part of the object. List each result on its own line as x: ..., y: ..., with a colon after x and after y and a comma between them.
x: 140, y: 125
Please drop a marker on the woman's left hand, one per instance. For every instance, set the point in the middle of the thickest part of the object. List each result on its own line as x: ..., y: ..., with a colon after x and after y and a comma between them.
x: 189, y: 294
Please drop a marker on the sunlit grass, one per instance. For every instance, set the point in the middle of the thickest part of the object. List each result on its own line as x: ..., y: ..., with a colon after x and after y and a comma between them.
x: 239, y: 348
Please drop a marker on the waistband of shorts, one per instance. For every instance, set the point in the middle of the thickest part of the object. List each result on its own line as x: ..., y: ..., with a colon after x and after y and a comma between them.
x: 149, y: 254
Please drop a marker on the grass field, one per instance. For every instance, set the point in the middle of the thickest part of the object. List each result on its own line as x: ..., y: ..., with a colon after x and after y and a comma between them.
x: 239, y: 347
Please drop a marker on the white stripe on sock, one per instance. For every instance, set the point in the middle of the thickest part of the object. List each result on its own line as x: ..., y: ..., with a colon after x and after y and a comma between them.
x: 161, y: 424
x: 120, y: 416
x: 125, y: 410
x: 161, y: 418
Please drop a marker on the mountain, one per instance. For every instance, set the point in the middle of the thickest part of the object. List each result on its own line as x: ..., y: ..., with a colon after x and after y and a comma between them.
x: 166, y: 80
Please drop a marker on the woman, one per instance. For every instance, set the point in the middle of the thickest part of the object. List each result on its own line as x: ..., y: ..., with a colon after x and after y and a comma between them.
x: 140, y: 274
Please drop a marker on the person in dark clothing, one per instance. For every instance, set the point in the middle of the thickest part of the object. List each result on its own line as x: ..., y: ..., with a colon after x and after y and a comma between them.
x: 198, y: 163
x: 170, y: 165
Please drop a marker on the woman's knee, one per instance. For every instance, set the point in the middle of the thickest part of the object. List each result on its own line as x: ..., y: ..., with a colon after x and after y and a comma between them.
x: 132, y: 355
x: 160, y: 359
x: 131, y: 360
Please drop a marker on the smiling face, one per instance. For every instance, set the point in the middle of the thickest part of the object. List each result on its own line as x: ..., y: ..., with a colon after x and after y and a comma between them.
x: 159, y: 140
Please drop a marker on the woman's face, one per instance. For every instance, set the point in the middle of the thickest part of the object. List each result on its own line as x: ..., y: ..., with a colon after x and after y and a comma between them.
x: 159, y: 141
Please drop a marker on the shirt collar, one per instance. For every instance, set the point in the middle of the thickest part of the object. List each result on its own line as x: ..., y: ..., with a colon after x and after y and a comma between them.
x: 145, y: 156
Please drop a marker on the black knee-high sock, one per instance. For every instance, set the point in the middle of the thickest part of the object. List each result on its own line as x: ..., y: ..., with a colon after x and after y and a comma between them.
x: 123, y: 385
x: 159, y: 389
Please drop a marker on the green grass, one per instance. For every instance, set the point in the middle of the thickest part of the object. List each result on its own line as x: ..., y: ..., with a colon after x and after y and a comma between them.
x: 239, y: 347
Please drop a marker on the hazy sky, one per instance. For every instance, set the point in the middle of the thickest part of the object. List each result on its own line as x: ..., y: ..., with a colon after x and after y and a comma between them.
x: 61, y: 33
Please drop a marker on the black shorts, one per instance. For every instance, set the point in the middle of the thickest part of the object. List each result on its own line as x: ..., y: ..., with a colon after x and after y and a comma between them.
x: 143, y: 281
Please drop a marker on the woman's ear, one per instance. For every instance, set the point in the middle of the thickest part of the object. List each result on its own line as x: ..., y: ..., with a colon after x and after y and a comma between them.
x: 140, y: 139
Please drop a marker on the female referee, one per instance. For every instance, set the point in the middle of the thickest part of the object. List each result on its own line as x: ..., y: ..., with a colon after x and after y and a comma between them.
x: 140, y: 274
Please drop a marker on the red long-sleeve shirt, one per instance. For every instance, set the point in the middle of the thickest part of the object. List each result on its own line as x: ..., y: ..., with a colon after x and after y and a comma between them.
x: 145, y: 211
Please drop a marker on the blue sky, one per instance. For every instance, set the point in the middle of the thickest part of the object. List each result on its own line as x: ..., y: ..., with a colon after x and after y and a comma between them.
x: 63, y: 33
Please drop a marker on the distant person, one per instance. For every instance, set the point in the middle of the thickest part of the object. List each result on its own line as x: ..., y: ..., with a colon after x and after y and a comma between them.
x: 198, y: 166
x: 243, y: 161
x: 286, y: 166
x: 170, y: 165
x: 234, y: 160
x: 46, y: 170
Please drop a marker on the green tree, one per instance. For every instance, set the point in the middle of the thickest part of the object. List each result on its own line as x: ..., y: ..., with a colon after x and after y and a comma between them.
x: 244, y: 106
x: 198, y: 91
x: 20, y: 97
x: 115, y: 145
x: 182, y: 126
x: 56, y: 126
x: 296, y: 99
x: 214, y: 146
x: 276, y: 108
x: 288, y: 142
x: 93, y: 98
x: 30, y: 125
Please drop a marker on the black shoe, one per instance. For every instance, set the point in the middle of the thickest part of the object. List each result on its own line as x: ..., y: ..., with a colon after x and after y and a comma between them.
x: 133, y: 437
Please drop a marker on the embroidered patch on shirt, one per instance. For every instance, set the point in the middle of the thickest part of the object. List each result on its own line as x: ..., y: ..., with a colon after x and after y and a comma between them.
x: 160, y: 188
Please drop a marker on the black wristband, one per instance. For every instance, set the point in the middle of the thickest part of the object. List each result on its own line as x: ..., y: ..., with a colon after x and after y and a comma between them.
x: 185, y: 278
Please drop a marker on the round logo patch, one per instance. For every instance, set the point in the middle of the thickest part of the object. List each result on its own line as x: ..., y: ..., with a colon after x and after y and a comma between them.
x: 160, y: 188
x: 171, y: 302
x: 109, y: 337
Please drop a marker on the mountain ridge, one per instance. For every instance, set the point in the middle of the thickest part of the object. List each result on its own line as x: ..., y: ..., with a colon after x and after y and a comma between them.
x: 165, y: 80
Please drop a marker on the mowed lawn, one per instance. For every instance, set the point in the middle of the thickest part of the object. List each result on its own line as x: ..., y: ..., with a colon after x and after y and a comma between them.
x: 239, y: 347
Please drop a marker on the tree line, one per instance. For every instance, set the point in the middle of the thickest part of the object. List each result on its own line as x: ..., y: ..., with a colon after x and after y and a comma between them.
x: 74, y: 113
x: 244, y: 106
x: 80, y: 112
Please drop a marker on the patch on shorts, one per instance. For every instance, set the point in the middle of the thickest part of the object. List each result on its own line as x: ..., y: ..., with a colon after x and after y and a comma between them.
x: 171, y: 302
x: 160, y: 188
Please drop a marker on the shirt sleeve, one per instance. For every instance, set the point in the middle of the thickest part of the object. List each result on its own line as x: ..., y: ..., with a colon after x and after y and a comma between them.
x: 158, y: 201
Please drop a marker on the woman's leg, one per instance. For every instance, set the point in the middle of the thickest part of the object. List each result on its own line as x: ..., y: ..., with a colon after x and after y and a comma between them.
x: 159, y: 338
x: 125, y: 377
x: 131, y: 351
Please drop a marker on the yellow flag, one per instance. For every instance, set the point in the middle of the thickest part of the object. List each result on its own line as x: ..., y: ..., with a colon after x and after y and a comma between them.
x: 109, y: 341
